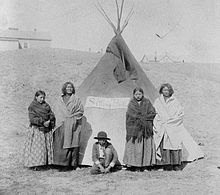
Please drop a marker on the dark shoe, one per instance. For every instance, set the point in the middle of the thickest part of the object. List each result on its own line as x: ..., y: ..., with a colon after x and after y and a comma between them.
x: 168, y: 168
x: 141, y: 169
x: 65, y: 169
x: 149, y: 168
x: 73, y: 168
x: 116, y: 168
x: 133, y: 169
x: 177, y: 168
x: 36, y: 168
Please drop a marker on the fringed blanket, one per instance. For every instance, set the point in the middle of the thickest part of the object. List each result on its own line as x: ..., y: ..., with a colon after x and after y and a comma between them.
x: 139, y: 120
x: 67, y: 116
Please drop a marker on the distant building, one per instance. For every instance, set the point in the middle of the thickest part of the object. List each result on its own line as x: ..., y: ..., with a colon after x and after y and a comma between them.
x: 13, y: 38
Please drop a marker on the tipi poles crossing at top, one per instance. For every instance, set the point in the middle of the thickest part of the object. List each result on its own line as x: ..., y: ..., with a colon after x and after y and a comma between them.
x: 117, y: 30
x: 119, y: 14
x: 127, y: 19
x: 102, y: 11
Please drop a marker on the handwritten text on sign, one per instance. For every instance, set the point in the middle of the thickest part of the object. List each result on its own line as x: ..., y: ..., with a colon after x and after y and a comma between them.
x: 106, y: 103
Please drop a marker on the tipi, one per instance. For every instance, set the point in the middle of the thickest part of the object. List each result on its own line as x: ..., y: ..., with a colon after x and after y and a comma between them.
x: 107, y: 90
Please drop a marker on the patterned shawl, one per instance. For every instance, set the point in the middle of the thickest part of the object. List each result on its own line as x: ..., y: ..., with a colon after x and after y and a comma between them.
x: 139, y: 120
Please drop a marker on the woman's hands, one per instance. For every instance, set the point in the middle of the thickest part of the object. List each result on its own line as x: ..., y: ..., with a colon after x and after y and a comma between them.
x: 47, y: 123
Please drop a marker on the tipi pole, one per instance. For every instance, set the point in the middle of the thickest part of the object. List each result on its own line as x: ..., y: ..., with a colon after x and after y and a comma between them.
x: 102, y: 11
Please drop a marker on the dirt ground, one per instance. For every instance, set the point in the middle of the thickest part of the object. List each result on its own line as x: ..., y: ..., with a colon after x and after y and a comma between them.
x: 23, y: 72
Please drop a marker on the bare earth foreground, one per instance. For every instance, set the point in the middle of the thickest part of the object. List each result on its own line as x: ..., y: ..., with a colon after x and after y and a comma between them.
x: 23, y: 72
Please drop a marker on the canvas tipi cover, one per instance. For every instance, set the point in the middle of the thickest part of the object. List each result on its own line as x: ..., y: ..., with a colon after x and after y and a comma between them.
x: 106, y: 92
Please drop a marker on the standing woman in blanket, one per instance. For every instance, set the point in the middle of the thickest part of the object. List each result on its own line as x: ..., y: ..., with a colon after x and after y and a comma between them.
x: 167, y: 129
x: 66, y: 136
x: 38, y: 145
x: 174, y: 144
x: 139, y: 148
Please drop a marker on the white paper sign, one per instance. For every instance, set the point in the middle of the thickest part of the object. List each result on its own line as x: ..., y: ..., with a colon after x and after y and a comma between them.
x: 106, y: 103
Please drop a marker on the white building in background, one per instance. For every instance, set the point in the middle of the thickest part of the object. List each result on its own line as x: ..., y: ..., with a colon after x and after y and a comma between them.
x: 13, y: 38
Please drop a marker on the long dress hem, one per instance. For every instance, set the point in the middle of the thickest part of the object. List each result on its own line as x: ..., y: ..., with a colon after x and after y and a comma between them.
x: 63, y: 157
x: 140, y: 154
x: 38, y: 148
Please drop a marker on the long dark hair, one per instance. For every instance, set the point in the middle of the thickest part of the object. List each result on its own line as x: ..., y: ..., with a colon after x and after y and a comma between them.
x: 170, y: 88
x: 65, y: 85
x: 40, y: 92
x: 138, y: 89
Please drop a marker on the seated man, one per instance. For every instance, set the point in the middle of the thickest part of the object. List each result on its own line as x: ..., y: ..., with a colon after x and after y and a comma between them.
x: 104, y: 155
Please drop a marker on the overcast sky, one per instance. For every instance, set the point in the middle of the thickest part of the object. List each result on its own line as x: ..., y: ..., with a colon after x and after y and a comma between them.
x: 193, y: 26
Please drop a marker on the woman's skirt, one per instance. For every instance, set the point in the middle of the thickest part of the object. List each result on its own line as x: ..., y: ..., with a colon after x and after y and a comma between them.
x: 169, y: 157
x: 140, y: 154
x: 61, y: 156
x: 38, y: 148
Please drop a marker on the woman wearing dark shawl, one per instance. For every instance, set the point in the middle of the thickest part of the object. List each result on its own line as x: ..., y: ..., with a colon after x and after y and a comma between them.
x: 139, y: 148
x: 66, y: 135
x: 38, y: 145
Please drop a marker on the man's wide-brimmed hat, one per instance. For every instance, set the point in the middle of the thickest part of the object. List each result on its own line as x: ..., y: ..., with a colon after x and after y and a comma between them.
x: 102, y: 135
